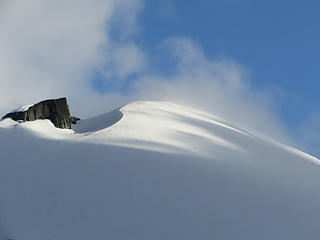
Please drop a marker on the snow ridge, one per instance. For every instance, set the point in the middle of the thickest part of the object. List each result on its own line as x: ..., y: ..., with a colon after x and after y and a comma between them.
x: 153, y: 170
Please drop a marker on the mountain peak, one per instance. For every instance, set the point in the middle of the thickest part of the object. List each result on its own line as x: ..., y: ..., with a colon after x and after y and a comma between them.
x: 160, y: 165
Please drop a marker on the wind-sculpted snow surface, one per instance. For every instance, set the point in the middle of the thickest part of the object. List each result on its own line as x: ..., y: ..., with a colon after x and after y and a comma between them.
x: 153, y: 170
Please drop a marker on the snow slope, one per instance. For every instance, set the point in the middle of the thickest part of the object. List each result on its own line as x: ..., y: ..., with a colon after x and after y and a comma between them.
x: 153, y: 170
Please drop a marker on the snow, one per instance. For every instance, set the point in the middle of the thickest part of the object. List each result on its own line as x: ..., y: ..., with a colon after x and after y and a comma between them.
x: 7, y: 122
x: 22, y: 108
x: 153, y: 170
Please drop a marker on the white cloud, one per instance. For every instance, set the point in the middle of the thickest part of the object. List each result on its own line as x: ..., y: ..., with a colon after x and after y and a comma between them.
x: 221, y: 86
x: 51, y: 48
x: 123, y: 61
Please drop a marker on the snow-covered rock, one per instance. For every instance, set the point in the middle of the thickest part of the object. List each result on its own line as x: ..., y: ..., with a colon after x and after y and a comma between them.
x: 56, y: 110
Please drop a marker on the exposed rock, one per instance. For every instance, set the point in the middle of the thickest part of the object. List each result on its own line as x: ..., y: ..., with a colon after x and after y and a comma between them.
x: 74, y: 120
x: 56, y: 110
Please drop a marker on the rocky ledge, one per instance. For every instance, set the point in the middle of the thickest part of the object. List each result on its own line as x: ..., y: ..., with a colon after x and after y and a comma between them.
x: 56, y: 110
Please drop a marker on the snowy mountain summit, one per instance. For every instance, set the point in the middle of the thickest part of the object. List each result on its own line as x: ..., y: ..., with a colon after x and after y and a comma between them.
x: 154, y: 170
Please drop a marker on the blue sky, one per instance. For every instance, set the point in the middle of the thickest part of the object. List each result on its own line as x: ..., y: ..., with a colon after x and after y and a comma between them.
x: 277, y: 40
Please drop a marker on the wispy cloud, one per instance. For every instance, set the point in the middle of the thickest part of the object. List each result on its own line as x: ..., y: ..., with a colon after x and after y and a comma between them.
x: 221, y: 86
x: 308, y: 133
x: 168, y: 10
x: 50, y: 49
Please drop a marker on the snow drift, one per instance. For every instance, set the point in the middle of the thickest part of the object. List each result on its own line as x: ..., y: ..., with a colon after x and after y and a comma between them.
x: 153, y: 170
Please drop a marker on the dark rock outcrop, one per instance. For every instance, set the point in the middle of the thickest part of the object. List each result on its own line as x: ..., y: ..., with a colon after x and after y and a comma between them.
x: 56, y: 110
x: 74, y: 120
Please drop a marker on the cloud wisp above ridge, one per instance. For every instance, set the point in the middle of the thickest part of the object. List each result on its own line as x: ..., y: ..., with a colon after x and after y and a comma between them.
x: 53, y: 49
x: 221, y: 86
